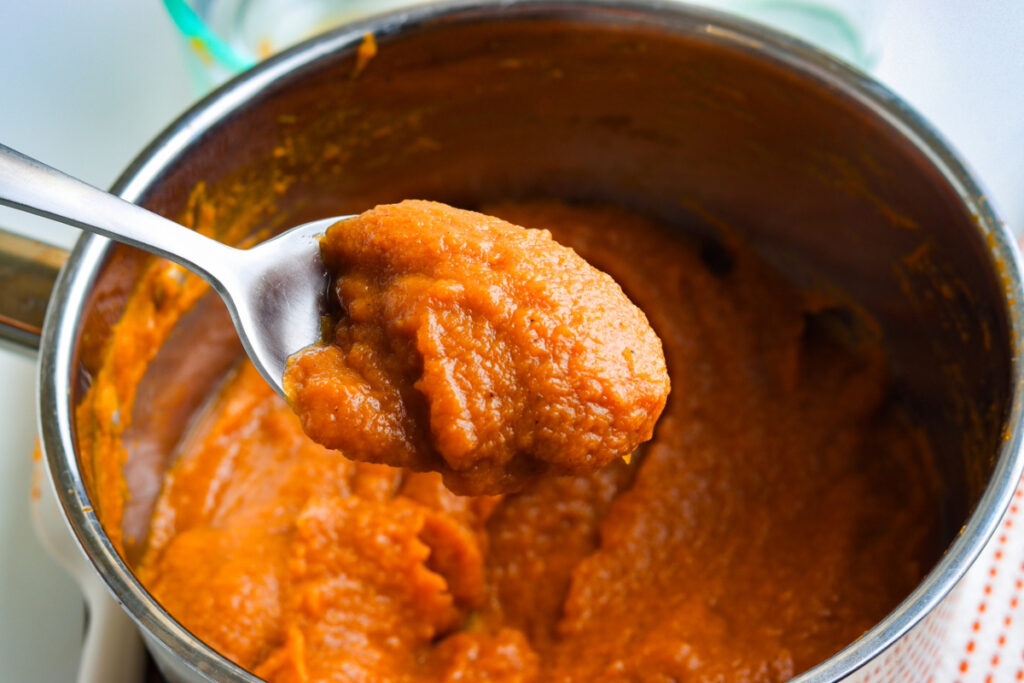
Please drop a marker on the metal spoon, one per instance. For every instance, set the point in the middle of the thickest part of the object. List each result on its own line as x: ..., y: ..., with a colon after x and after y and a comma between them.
x: 275, y: 291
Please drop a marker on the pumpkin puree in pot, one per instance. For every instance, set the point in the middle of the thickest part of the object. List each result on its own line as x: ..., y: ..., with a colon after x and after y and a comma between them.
x: 781, y: 509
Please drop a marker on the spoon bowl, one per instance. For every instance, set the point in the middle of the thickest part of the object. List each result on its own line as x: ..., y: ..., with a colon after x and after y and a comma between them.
x: 277, y: 296
x: 276, y: 291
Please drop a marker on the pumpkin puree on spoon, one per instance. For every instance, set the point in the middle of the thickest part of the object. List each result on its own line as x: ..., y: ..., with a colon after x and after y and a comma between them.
x: 476, y: 348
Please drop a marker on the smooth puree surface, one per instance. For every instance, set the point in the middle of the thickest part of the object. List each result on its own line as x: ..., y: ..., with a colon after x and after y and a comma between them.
x: 476, y: 348
x: 780, y: 510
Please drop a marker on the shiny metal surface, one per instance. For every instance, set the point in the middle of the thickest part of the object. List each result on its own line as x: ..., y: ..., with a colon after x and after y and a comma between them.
x: 274, y: 291
x: 794, y: 129
x: 28, y: 270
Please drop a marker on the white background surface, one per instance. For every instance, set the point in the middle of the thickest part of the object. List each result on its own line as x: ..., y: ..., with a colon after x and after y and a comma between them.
x: 85, y: 85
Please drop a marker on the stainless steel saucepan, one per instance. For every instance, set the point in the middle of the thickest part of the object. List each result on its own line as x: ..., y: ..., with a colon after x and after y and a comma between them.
x: 687, y: 114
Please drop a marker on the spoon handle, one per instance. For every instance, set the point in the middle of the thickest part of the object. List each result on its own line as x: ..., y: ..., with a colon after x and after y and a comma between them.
x: 33, y: 186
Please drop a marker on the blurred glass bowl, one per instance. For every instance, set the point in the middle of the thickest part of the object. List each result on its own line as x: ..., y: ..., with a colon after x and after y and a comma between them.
x: 225, y: 37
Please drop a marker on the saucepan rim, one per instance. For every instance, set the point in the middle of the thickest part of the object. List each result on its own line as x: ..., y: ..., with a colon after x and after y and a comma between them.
x: 66, y: 312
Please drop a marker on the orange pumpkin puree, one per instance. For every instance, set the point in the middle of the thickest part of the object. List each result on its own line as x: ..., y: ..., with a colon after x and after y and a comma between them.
x: 475, y: 348
x: 780, y: 510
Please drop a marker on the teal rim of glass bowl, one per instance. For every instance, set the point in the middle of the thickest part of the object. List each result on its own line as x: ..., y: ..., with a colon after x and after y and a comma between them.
x: 857, y: 53
x: 195, y: 30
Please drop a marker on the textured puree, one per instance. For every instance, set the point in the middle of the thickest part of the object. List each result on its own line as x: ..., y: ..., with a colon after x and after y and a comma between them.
x: 780, y: 510
x: 475, y: 348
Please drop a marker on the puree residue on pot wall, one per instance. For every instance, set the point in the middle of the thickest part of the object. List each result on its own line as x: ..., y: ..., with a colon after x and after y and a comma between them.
x: 781, y: 509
